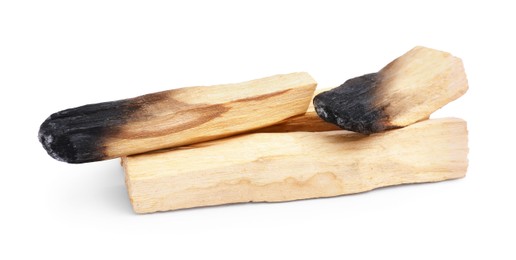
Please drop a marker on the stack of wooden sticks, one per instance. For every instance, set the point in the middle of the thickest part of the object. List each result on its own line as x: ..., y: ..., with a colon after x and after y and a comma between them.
x: 264, y: 140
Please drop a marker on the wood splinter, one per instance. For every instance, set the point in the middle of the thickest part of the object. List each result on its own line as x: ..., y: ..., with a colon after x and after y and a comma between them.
x: 407, y: 90
x: 297, y: 165
x: 173, y: 118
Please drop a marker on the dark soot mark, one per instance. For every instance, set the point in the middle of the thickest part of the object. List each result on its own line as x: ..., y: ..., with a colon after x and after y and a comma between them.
x: 77, y: 135
x: 351, y: 106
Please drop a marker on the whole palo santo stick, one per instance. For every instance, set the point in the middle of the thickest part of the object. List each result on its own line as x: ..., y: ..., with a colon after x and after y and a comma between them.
x: 405, y: 91
x: 297, y: 165
x: 173, y: 118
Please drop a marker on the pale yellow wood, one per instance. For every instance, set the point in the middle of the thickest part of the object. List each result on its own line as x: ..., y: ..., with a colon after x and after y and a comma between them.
x: 418, y: 83
x: 296, y: 165
x: 196, y: 114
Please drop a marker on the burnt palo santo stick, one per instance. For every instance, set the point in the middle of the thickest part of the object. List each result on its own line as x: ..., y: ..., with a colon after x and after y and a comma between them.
x: 173, y: 118
x: 297, y: 165
x: 407, y: 90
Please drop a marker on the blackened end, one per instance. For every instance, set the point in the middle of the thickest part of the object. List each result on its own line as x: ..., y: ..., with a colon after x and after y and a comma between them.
x: 352, y: 105
x: 78, y: 135
x: 67, y: 145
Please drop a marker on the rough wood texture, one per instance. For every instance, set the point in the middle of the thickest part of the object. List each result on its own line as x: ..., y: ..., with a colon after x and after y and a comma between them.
x: 297, y: 165
x: 405, y: 91
x: 173, y: 118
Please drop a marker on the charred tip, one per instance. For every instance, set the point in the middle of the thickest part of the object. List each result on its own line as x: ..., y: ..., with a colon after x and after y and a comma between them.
x: 63, y: 145
x: 78, y: 135
x: 48, y: 139
x: 352, y: 106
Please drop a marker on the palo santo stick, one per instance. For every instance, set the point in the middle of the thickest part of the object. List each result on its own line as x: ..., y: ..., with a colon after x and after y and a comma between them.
x: 297, y: 165
x: 405, y: 91
x: 173, y: 118
x: 308, y: 122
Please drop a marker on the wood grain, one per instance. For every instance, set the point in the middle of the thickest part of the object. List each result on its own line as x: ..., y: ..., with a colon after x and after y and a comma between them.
x: 297, y: 165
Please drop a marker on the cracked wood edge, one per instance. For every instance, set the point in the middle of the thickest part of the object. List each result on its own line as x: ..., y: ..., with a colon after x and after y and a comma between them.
x: 272, y: 167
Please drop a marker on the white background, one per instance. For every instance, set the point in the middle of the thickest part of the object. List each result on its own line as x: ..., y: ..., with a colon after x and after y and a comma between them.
x: 60, y: 54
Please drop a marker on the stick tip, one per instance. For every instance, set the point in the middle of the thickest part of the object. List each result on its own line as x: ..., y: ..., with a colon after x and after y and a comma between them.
x: 64, y: 146
x: 47, y: 139
x: 56, y: 146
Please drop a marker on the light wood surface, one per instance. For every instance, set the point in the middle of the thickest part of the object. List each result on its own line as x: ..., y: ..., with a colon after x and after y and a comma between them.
x: 296, y: 165
x: 418, y: 83
x: 196, y: 114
